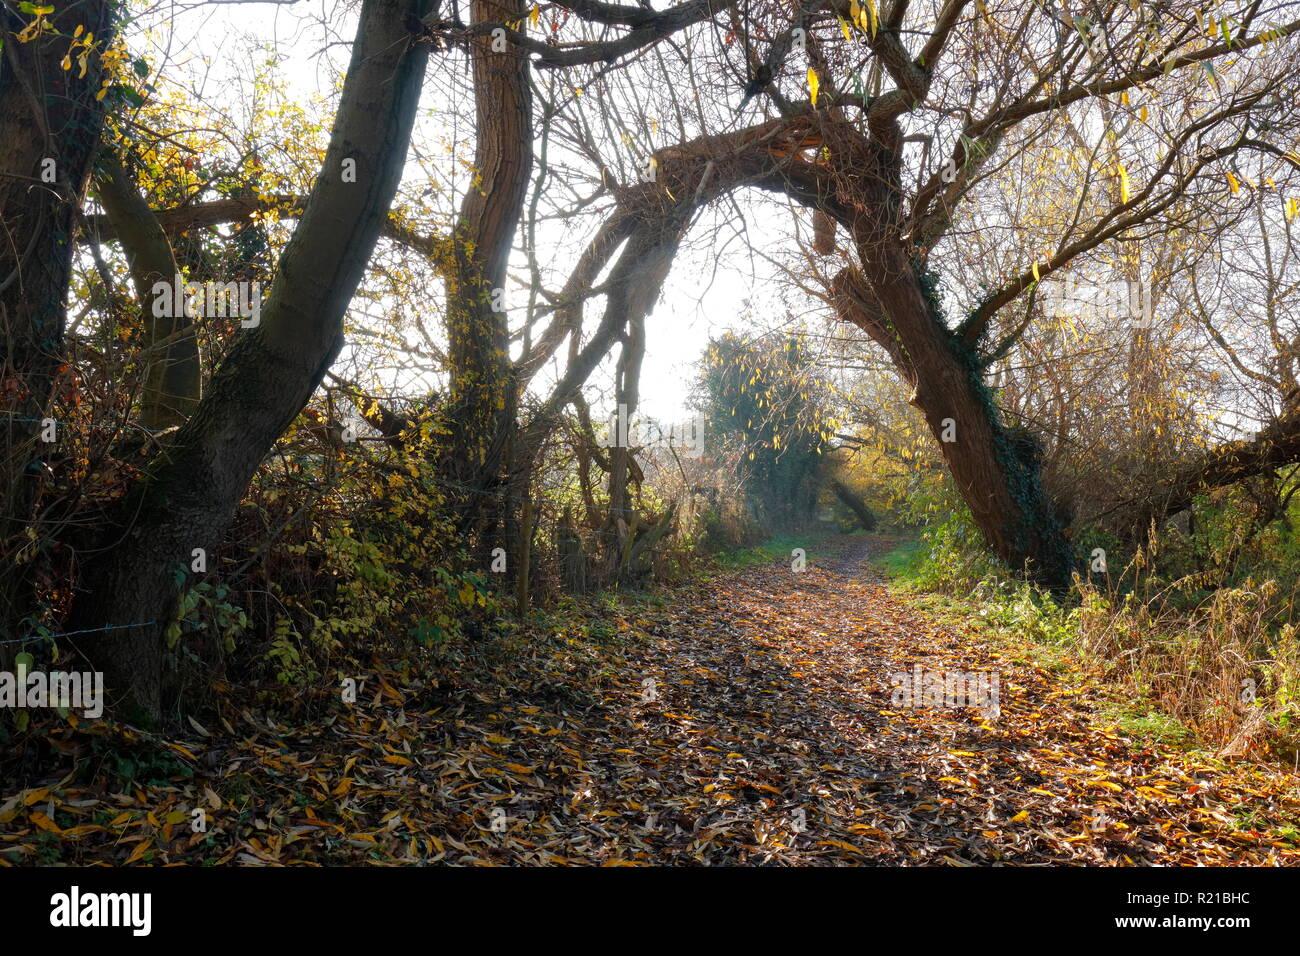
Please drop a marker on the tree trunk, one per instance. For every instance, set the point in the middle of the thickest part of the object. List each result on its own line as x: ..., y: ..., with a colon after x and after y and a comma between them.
x: 524, y: 560
x: 173, y: 377
x: 1274, y: 446
x: 853, y: 501
x: 995, y: 470
x: 573, y: 559
x: 484, y: 392
x: 50, y: 125
x: 190, y: 491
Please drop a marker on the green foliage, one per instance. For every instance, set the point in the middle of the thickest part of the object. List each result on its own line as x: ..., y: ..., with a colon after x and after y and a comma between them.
x: 955, y: 559
x: 366, y: 561
x: 1016, y: 605
x: 203, y: 608
x: 903, y: 560
x: 1201, y: 649
x: 764, y: 397
x: 774, y: 549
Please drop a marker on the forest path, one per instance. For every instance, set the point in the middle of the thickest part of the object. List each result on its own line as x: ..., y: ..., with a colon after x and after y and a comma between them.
x: 746, y: 719
x: 782, y: 687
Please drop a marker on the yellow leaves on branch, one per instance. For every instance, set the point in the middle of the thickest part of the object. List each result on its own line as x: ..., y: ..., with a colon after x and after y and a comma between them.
x: 38, y: 25
x: 865, y: 20
x: 1122, y: 173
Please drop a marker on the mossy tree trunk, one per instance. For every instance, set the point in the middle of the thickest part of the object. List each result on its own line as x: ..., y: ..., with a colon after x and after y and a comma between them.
x: 189, y: 492
x: 50, y: 123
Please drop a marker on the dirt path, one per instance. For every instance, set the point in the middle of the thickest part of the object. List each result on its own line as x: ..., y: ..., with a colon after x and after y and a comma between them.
x: 778, y: 691
x: 744, y: 721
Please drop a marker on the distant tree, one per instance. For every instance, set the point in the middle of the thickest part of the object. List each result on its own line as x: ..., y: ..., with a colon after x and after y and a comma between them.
x: 763, y: 399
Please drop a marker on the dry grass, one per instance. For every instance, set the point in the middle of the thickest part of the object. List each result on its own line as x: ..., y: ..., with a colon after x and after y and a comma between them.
x: 1228, y: 668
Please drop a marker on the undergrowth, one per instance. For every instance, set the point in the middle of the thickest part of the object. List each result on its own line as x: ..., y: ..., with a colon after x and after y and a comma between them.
x: 1215, y: 667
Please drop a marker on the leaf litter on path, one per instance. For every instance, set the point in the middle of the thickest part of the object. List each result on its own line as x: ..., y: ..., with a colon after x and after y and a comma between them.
x: 747, y: 720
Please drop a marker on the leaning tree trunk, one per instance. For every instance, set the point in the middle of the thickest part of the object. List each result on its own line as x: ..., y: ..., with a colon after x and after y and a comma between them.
x: 995, y: 470
x: 853, y: 501
x: 635, y: 282
x: 50, y: 124
x: 186, y: 499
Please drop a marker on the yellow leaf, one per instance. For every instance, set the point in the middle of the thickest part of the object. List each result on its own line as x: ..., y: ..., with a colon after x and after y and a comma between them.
x: 1022, y: 815
x: 813, y: 85
x: 844, y: 28
x: 73, y: 832
x: 44, y: 822
x: 1123, y: 182
x: 398, y: 759
x: 1035, y: 271
x: 534, y: 14
x: 1232, y: 183
x: 841, y: 844
x: 871, y: 5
